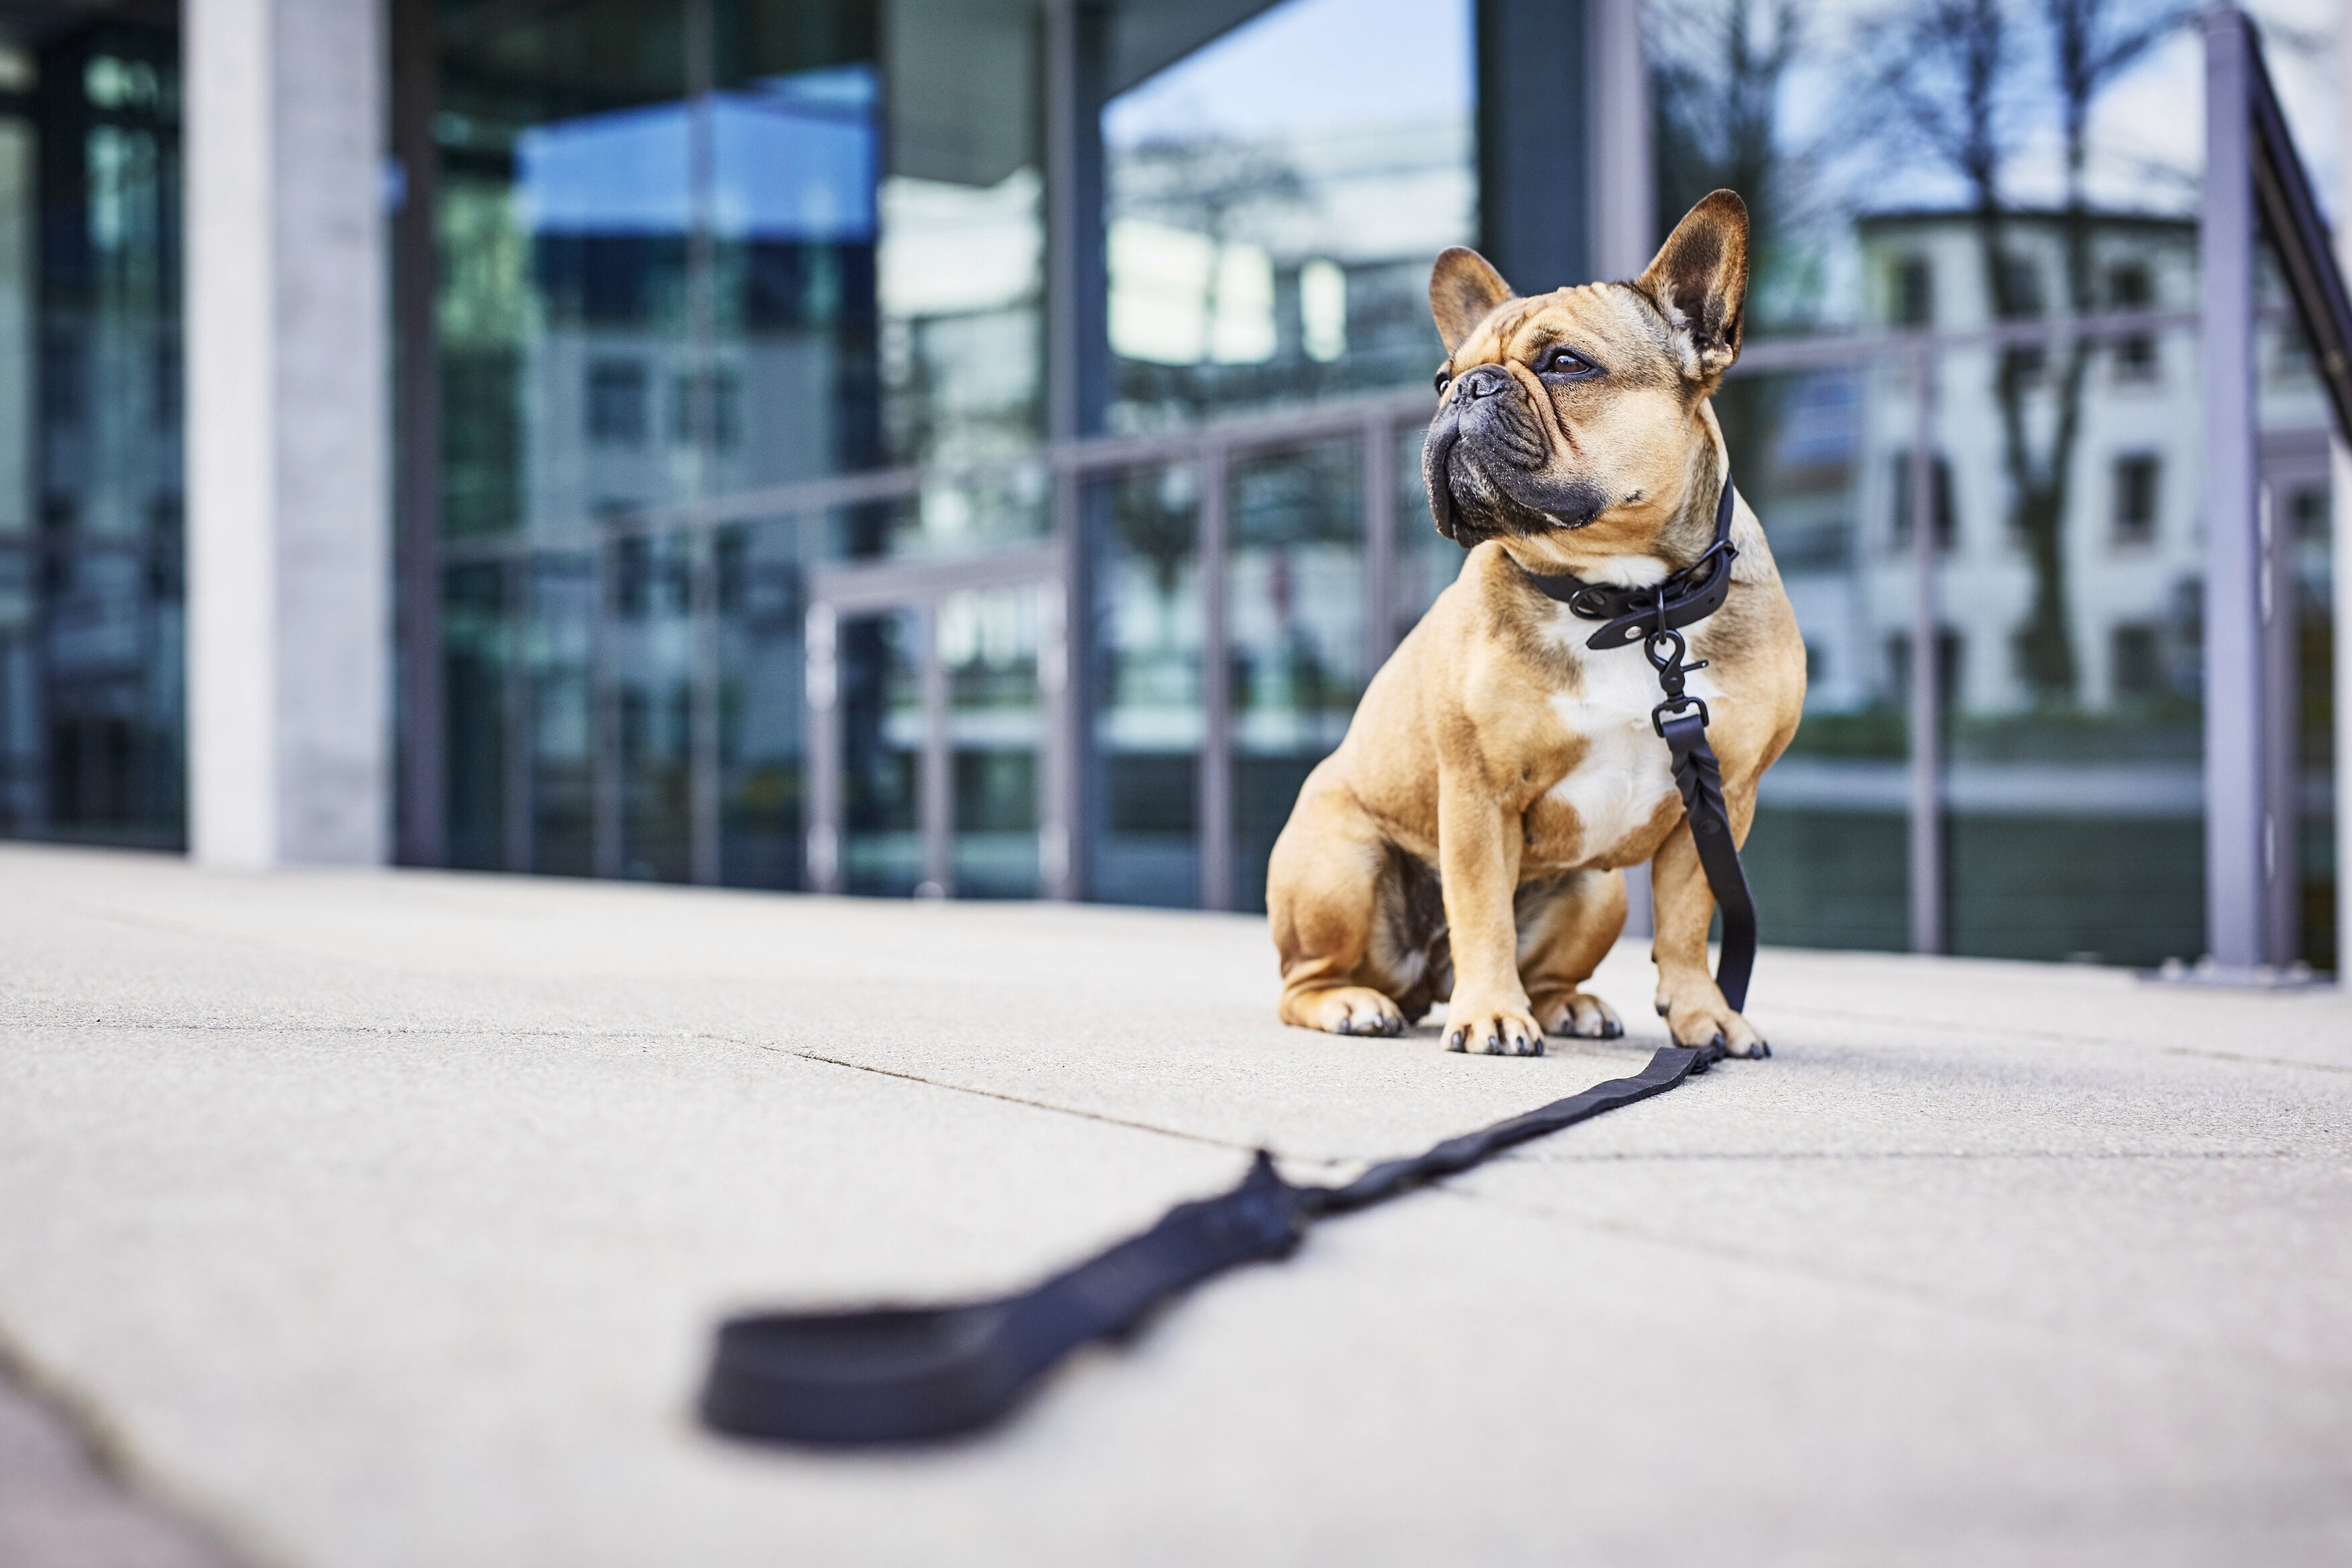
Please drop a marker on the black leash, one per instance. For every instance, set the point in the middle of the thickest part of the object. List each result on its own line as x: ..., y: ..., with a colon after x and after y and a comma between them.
x: 1655, y: 615
x: 913, y: 1373
x: 907, y: 1375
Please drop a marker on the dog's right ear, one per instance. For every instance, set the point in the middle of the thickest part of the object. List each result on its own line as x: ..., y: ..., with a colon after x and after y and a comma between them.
x: 1463, y: 287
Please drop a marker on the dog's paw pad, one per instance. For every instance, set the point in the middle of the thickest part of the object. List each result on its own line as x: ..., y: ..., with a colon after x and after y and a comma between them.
x: 1496, y: 1033
x: 1580, y: 1017
x: 1358, y: 1011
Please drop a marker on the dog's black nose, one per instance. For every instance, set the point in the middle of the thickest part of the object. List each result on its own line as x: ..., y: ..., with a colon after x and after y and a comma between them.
x: 1485, y: 380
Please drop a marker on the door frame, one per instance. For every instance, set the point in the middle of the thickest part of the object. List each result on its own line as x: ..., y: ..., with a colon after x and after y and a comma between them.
x: 919, y: 585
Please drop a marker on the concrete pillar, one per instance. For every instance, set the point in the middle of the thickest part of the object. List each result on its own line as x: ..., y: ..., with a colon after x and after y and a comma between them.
x: 289, y: 541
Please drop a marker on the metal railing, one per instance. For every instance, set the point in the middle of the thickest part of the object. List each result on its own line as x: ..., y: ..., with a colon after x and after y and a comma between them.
x: 2253, y: 175
x: 1377, y: 423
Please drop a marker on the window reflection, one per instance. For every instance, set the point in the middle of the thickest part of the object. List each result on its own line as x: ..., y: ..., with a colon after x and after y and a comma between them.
x: 90, y: 488
x: 1295, y: 654
x: 683, y: 261
x: 1270, y: 224
x: 1147, y: 727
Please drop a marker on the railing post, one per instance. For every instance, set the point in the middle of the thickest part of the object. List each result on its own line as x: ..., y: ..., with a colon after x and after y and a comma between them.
x: 1216, y: 780
x: 935, y: 784
x: 1065, y: 648
x: 1379, y: 478
x: 605, y: 785
x: 2237, y: 831
x: 1924, y: 697
x: 704, y: 765
x: 518, y: 687
x: 820, y: 637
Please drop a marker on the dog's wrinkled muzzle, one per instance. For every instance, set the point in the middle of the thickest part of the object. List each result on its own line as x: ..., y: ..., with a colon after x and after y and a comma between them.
x: 1487, y: 438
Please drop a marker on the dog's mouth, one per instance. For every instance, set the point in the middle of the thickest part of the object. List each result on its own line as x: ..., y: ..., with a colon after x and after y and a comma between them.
x: 1484, y: 481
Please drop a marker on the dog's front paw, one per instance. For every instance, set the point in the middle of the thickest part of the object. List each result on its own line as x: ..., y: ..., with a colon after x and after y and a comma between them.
x: 1348, y: 1010
x: 1577, y: 1016
x: 1699, y: 1016
x: 1493, y: 1032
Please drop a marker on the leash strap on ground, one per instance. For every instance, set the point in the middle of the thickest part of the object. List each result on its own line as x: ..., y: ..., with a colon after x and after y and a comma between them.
x: 907, y: 1375
x: 911, y: 1375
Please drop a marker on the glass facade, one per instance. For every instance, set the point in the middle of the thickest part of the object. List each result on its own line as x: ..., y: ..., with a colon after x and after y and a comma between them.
x: 90, y: 593
x: 816, y: 498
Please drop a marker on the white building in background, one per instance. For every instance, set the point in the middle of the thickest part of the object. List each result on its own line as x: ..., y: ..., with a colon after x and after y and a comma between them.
x: 2133, y: 539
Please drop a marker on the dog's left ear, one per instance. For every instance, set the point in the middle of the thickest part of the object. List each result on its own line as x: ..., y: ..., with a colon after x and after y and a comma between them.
x: 1699, y: 281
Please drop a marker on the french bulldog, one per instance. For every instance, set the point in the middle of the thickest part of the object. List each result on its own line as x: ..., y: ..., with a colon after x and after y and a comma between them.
x: 1465, y: 842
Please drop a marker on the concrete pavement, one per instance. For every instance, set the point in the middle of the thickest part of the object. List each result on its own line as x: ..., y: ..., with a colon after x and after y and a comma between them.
x: 379, y: 1218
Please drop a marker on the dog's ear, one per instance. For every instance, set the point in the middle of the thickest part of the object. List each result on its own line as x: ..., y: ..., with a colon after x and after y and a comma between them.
x: 1463, y: 286
x: 1699, y: 282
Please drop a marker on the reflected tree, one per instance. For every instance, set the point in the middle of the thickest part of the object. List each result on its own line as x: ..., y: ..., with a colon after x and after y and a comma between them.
x: 1960, y: 76
x: 1218, y: 188
x: 1718, y: 70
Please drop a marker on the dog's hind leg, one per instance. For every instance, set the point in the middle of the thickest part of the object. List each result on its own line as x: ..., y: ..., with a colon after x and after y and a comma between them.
x: 1567, y: 926
x: 1329, y: 893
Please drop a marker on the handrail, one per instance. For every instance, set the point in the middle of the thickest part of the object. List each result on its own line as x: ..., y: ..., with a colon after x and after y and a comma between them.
x: 2306, y: 253
x: 1256, y: 432
x: 2254, y: 184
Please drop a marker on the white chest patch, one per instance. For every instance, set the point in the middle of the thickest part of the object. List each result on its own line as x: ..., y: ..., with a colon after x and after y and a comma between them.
x: 1626, y: 770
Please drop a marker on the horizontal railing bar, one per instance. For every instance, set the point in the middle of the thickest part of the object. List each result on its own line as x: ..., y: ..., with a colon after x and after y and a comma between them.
x: 1772, y: 355
x: 870, y: 585
x: 1272, y: 429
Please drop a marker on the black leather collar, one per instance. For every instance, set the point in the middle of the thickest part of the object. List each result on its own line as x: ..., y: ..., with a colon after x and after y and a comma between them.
x: 1694, y: 594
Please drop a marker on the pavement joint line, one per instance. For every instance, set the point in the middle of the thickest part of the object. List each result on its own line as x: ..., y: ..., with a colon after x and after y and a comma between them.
x: 1079, y: 1111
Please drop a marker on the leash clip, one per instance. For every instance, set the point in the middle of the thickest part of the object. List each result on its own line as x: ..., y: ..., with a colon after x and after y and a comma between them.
x: 1675, y: 706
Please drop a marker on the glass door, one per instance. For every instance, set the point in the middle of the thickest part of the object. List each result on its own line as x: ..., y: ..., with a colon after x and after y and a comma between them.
x: 933, y: 737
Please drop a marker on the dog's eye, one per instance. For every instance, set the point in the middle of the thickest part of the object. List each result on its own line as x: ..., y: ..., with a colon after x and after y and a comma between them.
x: 1444, y: 379
x: 1559, y: 362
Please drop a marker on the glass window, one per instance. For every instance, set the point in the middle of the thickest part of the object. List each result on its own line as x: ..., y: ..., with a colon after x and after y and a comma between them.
x: 1815, y: 453
x: 1274, y: 201
x: 2135, y: 498
x: 692, y: 249
x: 91, y: 743
x: 1147, y: 727
x: 1295, y: 643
